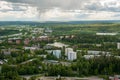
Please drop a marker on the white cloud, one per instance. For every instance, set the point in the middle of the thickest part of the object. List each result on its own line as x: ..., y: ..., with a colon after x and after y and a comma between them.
x: 5, y: 6
x: 63, y: 10
x: 101, y: 16
x: 57, y: 14
x: 26, y: 12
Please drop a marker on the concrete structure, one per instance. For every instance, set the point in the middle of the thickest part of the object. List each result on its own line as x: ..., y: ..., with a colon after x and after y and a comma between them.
x: 69, y: 78
x: 118, y: 45
x: 97, y: 52
x: 111, y: 34
x: 68, y: 50
x: 94, y: 52
x: 71, y: 55
x: 90, y: 56
x: 57, y: 53
x: 31, y: 48
x: 58, y: 44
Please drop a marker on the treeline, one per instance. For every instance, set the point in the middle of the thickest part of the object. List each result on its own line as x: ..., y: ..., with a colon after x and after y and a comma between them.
x: 97, y: 66
x: 8, y: 32
x: 91, y: 38
x: 103, y: 65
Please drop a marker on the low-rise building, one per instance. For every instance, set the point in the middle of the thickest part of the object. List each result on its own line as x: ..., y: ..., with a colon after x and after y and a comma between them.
x: 15, y: 40
x: 116, y: 77
x: 58, y: 44
x: 6, y: 51
x: 31, y: 48
x: 92, y: 52
x: 26, y: 41
x: 111, y: 34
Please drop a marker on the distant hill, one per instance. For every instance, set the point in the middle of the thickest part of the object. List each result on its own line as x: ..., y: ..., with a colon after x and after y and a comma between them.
x: 55, y: 22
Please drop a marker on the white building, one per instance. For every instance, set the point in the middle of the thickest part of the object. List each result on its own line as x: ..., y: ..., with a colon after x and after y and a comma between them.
x: 6, y: 51
x: 1, y: 41
x: 93, y: 52
x: 98, y: 52
x: 58, y: 44
x: 68, y: 50
x: 118, y: 45
x: 111, y: 34
x: 71, y: 55
x: 31, y: 48
x: 90, y: 56
x: 56, y: 53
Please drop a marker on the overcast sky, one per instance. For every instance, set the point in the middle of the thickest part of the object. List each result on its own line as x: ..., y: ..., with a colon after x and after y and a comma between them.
x: 59, y: 10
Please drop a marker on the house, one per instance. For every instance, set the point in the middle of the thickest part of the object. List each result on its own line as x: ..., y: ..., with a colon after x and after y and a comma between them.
x: 14, y: 40
x: 10, y: 40
x: 18, y: 41
x: 116, y: 77
x: 6, y: 51
x: 26, y: 41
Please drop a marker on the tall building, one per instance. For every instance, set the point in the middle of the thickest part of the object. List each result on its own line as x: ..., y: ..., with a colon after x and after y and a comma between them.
x: 71, y: 55
x: 57, y: 53
x: 118, y: 45
x: 67, y: 50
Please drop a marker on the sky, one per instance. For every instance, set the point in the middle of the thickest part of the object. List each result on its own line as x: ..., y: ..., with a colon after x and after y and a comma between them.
x: 59, y: 10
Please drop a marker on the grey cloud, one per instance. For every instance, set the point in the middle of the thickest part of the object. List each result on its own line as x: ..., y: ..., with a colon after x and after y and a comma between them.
x: 49, y: 4
x: 15, y: 7
x: 97, y: 6
x: 66, y: 5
